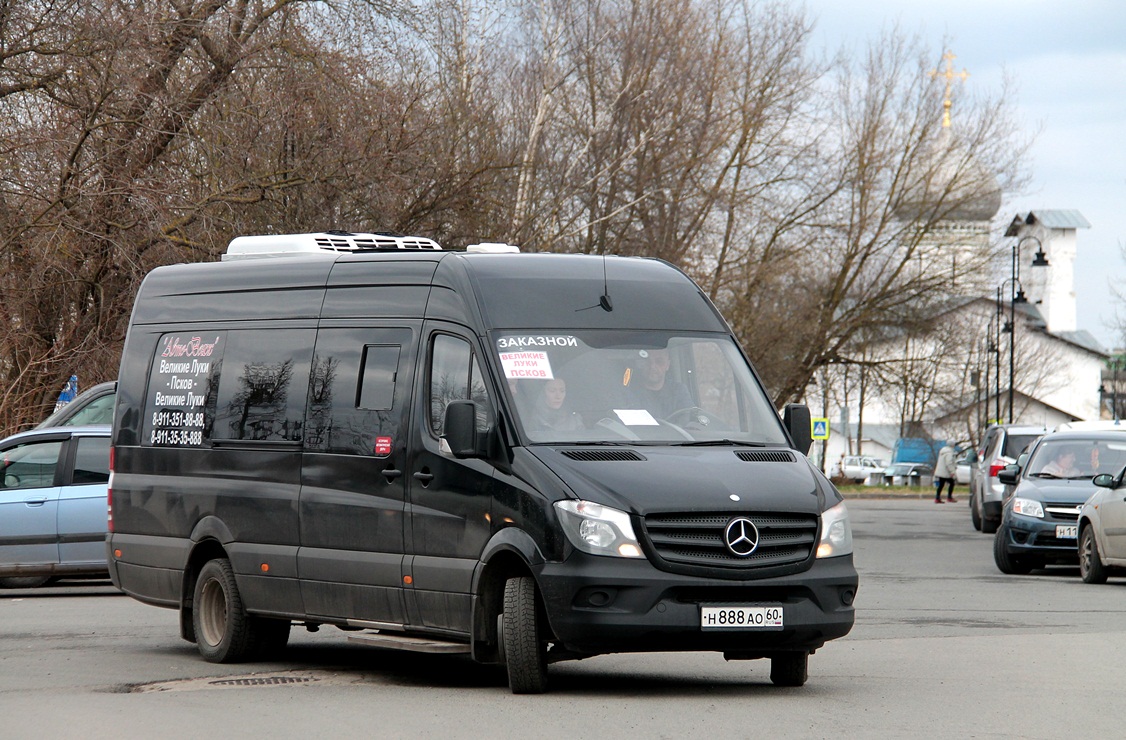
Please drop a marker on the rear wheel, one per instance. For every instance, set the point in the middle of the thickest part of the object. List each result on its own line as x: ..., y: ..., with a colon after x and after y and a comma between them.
x: 1006, y: 563
x: 523, y: 648
x: 789, y: 669
x: 1091, y: 567
x: 224, y: 632
x: 975, y: 516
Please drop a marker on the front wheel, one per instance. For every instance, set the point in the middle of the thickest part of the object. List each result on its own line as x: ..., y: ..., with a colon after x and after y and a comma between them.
x: 789, y: 669
x: 1091, y: 567
x: 224, y: 631
x: 1006, y: 563
x: 522, y: 644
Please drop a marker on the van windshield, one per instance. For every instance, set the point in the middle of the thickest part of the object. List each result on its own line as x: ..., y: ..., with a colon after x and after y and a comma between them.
x: 629, y: 387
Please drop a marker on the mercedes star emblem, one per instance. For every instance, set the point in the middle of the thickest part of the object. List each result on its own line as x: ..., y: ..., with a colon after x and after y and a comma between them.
x: 741, y: 536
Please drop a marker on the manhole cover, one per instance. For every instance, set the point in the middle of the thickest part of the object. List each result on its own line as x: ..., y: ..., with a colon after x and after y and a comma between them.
x: 320, y: 678
x: 262, y: 681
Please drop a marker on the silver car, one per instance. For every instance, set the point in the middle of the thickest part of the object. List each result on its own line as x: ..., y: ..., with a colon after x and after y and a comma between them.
x: 1102, y: 528
x: 1002, y: 445
x: 53, y: 504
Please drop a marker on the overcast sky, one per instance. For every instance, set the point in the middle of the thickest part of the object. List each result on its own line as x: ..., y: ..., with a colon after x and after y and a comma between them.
x: 1067, y: 62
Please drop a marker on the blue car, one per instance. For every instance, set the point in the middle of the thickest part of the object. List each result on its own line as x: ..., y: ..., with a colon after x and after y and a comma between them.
x: 53, y: 504
x: 1040, y: 511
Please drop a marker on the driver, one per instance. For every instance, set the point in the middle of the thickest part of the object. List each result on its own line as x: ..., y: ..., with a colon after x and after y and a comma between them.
x: 653, y: 390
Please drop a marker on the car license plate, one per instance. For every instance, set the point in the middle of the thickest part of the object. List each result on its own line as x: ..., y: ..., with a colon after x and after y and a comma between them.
x: 741, y: 617
x: 1067, y: 531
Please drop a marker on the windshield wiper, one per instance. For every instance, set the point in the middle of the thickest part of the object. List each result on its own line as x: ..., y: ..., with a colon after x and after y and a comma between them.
x: 1053, y: 476
x: 719, y: 443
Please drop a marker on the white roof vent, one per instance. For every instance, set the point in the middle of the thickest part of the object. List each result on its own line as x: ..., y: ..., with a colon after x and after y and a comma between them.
x: 493, y: 248
x: 324, y: 243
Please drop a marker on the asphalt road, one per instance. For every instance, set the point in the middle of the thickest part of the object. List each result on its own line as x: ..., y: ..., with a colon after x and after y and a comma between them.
x: 944, y: 646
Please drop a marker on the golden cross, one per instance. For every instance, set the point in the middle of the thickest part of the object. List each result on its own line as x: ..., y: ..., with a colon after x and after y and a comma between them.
x: 949, y: 74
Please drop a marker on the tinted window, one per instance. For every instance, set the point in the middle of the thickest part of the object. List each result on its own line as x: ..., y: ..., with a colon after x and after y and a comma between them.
x: 262, y: 389
x: 91, y: 461
x: 377, y: 383
x: 455, y: 376
x: 30, y: 465
x: 352, y: 390
x: 1016, y: 443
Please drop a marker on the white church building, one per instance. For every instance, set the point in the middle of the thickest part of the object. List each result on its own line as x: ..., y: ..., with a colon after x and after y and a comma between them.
x: 1026, y: 331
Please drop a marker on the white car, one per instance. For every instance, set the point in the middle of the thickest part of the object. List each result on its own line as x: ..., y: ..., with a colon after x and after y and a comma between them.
x: 859, y: 467
x: 1102, y: 529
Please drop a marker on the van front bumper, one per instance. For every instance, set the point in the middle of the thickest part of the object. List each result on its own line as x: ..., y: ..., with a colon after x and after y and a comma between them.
x: 611, y: 605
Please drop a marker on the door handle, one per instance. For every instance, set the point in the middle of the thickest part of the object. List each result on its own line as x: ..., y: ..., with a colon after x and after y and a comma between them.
x: 391, y: 474
x: 424, y: 477
x: 35, y: 501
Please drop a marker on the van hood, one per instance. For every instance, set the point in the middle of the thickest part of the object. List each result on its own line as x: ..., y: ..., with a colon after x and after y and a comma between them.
x: 646, y: 480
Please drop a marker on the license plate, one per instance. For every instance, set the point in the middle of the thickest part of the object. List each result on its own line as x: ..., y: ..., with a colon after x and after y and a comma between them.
x: 741, y: 617
x: 1067, y: 531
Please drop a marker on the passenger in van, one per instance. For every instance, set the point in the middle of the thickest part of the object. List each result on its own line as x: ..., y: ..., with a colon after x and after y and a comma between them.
x: 550, y: 412
x: 654, y: 390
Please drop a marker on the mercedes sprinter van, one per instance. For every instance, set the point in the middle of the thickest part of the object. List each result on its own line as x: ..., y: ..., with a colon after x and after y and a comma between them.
x: 526, y: 458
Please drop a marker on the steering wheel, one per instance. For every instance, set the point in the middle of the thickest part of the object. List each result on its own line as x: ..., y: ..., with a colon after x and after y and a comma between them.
x: 695, y: 418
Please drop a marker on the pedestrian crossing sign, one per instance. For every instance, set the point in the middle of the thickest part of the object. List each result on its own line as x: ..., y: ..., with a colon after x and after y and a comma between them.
x: 820, y: 428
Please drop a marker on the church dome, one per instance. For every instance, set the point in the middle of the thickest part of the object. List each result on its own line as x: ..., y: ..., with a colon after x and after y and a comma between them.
x: 952, y: 186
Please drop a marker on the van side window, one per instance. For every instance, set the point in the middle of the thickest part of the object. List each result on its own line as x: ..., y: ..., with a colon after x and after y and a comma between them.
x: 455, y: 376
x: 377, y: 382
x: 262, y: 388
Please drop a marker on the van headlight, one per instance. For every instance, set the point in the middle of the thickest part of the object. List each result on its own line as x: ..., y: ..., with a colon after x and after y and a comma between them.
x: 598, y: 529
x: 836, y: 533
x: 1028, y: 507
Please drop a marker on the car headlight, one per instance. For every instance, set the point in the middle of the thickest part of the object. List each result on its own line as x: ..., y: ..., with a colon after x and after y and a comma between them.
x: 1028, y: 507
x: 836, y: 533
x: 598, y: 529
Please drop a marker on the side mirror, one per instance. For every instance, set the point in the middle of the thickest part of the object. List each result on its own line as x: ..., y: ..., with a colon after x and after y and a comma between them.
x: 797, y: 420
x: 1009, y: 475
x: 1022, y: 460
x: 461, y: 429
x: 1103, y: 480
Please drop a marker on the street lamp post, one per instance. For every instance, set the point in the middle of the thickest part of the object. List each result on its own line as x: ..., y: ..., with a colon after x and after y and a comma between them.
x: 997, y: 359
x: 1016, y: 295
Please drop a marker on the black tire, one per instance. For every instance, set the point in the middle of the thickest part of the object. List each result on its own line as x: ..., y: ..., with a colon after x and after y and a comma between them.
x: 1091, y: 568
x: 1006, y: 563
x: 523, y: 649
x: 975, y: 517
x: 789, y: 669
x: 224, y: 631
x: 24, y: 581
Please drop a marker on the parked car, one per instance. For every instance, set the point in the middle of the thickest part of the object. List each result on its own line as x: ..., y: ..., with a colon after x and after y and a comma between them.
x: 53, y: 504
x: 1040, y: 517
x: 858, y: 467
x: 1001, y: 446
x: 965, y: 465
x: 93, y: 406
x: 908, y: 474
x: 1102, y: 527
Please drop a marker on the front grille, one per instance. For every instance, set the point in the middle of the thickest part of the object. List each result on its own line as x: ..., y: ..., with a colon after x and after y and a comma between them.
x: 698, y: 539
x: 1062, y: 512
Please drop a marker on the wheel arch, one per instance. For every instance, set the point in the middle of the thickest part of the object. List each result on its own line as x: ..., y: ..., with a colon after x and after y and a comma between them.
x: 208, y: 543
x: 510, y: 553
